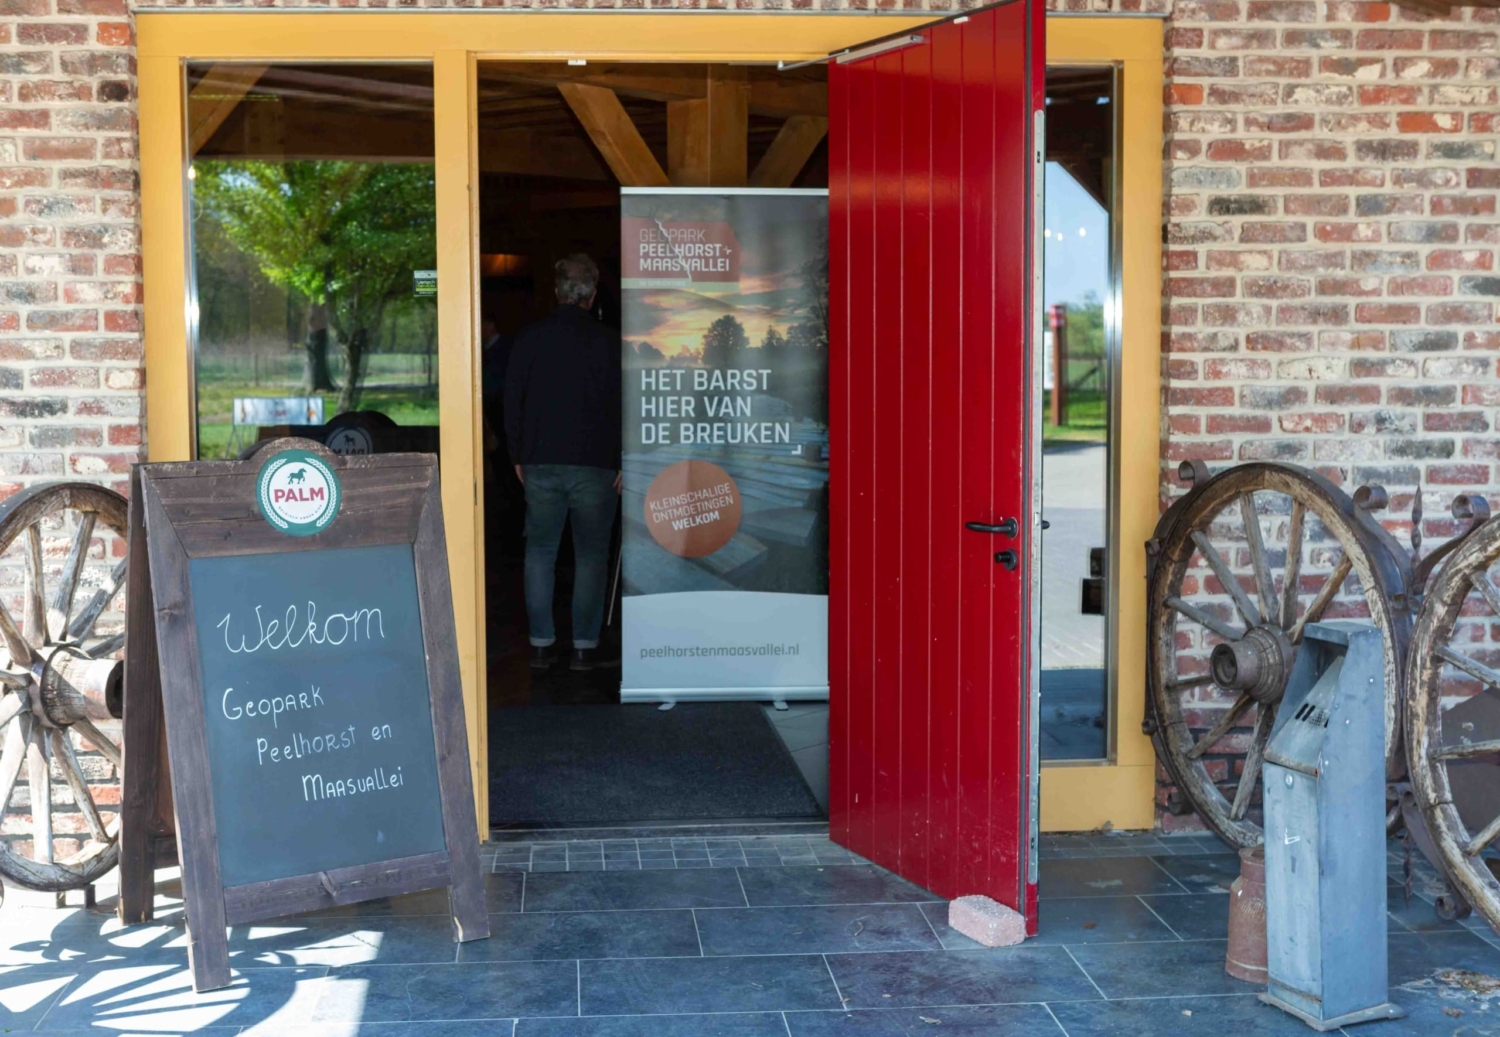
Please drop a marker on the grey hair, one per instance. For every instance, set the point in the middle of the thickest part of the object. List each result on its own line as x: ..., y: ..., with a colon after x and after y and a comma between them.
x: 577, y: 279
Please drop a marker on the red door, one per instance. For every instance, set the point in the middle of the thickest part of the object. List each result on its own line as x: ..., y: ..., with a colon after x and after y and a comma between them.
x: 933, y: 167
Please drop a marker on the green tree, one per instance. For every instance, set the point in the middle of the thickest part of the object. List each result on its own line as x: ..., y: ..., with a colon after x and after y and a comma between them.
x: 345, y: 235
x: 774, y: 343
x: 723, y: 342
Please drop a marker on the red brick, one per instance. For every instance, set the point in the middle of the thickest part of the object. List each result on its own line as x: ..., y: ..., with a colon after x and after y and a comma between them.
x: 1354, y: 11
x: 1279, y: 122
x: 1460, y: 313
x: 1265, y: 232
x: 1278, y: 67
x: 1425, y: 285
x: 1387, y: 94
x: 1390, y: 39
x: 1350, y: 176
x: 52, y: 33
x: 1182, y: 396
x: 1460, y: 259
x: 1462, y: 205
x: 1388, y: 313
x: 1279, y: 341
x: 25, y: 119
x: 62, y: 320
x: 1239, y: 151
x: 33, y: 91
x: 65, y: 377
x: 1183, y: 93
x: 1312, y: 260
x: 57, y: 149
x: 1348, y: 395
x: 1277, y: 288
x: 1316, y: 205
x: 1333, y: 313
x: 1238, y: 424
x: 1218, y: 259
x: 115, y: 34
x: 1315, y: 424
x: 1181, y: 259
x: 1354, y: 286
x: 1263, y: 176
x: 1454, y: 40
x: 1348, y: 232
x: 1201, y: 287
x: 1430, y: 122
x: 1312, y: 150
x: 122, y: 320
x: 1458, y: 474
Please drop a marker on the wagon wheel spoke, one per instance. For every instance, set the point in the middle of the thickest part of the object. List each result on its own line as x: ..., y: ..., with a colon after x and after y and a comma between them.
x: 39, y: 774
x: 1213, y: 623
x: 36, y: 603
x: 67, y: 587
x: 12, y: 680
x: 1467, y: 750
x: 1320, y: 602
x: 1221, y: 728
x: 62, y: 751
x: 1226, y: 578
x: 10, y: 705
x: 1472, y: 667
x: 86, y: 728
x: 105, y: 646
x: 83, y: 624
x: 1486, y: 589
x: 1263, y: 722
x: 15, y: 644
x: 1192, y: 682
x: 1263, y: 582
x: 1289, y: 588
x: 17, y: 735
x: 1487, y: 835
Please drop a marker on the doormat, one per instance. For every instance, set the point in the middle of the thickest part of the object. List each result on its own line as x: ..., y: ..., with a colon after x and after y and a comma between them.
x: 610, y: 763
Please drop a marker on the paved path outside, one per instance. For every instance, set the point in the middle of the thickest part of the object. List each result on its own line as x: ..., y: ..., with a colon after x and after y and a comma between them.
x: 736, y: 937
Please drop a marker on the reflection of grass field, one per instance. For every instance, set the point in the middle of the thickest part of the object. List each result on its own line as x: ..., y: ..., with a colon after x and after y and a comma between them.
x: 406, y: 404
x: 1087, y: 418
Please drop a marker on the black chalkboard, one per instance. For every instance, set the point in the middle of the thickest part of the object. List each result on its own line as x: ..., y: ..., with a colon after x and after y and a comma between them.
x: 316, y: 707
x: 305, y: 669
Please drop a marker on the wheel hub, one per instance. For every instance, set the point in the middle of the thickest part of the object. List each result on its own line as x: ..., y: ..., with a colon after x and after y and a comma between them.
x: 1257, y: 664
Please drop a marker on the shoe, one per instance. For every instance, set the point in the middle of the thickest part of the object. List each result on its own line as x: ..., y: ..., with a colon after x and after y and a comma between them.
x: 543, y: 656
x: 582, y: 661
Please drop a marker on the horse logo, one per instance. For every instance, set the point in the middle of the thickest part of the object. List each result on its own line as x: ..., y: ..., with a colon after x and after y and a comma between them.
x: 300, y: 475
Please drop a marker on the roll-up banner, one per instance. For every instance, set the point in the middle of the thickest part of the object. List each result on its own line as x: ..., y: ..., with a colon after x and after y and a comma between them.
x: 725, y: 549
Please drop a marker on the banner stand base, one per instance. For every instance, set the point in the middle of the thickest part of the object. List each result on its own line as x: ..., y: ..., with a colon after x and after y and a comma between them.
x: 810, y: 694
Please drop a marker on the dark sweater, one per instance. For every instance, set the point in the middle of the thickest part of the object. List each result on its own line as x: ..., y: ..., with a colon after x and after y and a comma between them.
x: 562, y: 392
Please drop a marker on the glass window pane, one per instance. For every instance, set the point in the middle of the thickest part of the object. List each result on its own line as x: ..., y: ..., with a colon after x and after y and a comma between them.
x: 314, y: 253
x: 1076, y: 451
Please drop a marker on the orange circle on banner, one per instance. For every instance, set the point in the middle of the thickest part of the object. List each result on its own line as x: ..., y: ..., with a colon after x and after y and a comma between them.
x: 693, y: 508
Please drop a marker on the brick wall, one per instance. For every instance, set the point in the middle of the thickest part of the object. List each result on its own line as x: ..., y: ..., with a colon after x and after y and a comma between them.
x: 1330, y: 220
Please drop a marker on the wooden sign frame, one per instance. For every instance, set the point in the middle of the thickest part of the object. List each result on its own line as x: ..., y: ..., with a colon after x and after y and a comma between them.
x: 207, y: 509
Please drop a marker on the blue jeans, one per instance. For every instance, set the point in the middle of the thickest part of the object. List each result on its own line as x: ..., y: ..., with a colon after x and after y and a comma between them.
x: 553, y: 492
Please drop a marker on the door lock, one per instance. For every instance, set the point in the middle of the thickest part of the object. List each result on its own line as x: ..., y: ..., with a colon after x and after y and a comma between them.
x: 1007, y: 558
x: 1005, y: 527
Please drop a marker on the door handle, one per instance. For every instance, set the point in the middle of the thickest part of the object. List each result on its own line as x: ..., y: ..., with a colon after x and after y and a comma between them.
x: 1006, y: 527
x: 1007, y: 558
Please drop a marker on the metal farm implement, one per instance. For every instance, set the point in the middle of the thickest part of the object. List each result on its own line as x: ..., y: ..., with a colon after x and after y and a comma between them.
x: 1236, y: 569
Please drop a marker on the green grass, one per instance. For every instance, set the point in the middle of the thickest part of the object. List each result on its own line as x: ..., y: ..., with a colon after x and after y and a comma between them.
x: 1087, y: 418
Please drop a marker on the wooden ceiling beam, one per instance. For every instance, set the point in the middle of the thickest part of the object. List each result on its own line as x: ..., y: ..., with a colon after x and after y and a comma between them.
x: 728, y: 125
x: 609, y: 126
x: 783, y: 96
x: 794, y: 144
x: 215, y: 98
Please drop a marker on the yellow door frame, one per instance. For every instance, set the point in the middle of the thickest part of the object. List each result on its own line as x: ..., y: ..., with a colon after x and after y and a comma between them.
x: 453, y: 41
x: 1121, y: 791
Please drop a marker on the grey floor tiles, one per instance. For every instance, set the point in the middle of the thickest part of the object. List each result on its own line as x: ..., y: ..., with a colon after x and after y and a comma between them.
x: 1132, y: 942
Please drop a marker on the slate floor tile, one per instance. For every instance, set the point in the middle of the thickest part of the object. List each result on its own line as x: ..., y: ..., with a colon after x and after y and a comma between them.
x: 26, y: 994
x: 1414, y: 957
x: 502, y: 892
x: 1105, y: 877
x: 1072, y: 920
x: 1196, y: 916
x: 1438, y: 1006
x: 634, y: 890
x: 848, y: 884
x: 681, y: 986
x: 370, y: 939
x: 1417, y: 915
x: 1183, y: 1017
x: 1204, y: 872
x: 1125, y: 970
x: 491, y: 990
x: 1005, y: 975
x: 815, y: 930
x: 160, y: 999
x: 994, y: 1021
x: 762, y: 1024
x: 585, y: 934
x: 465, y: 1028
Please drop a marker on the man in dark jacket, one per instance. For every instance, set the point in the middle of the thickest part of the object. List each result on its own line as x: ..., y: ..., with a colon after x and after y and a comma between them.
x: 562, y: 426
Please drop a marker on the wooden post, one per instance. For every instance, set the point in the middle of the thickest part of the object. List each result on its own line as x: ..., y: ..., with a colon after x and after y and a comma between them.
x: 794, y: 144
x: 708, y: 137
x: 1057, y: 317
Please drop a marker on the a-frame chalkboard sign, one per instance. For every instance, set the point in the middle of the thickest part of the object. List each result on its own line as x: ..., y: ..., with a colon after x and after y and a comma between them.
x: 309, y: 683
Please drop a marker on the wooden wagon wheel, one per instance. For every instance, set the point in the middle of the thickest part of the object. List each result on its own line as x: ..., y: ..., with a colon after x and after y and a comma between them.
x: 60, y: 678
x: 1237, y: 568
x: 1453, y: 719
